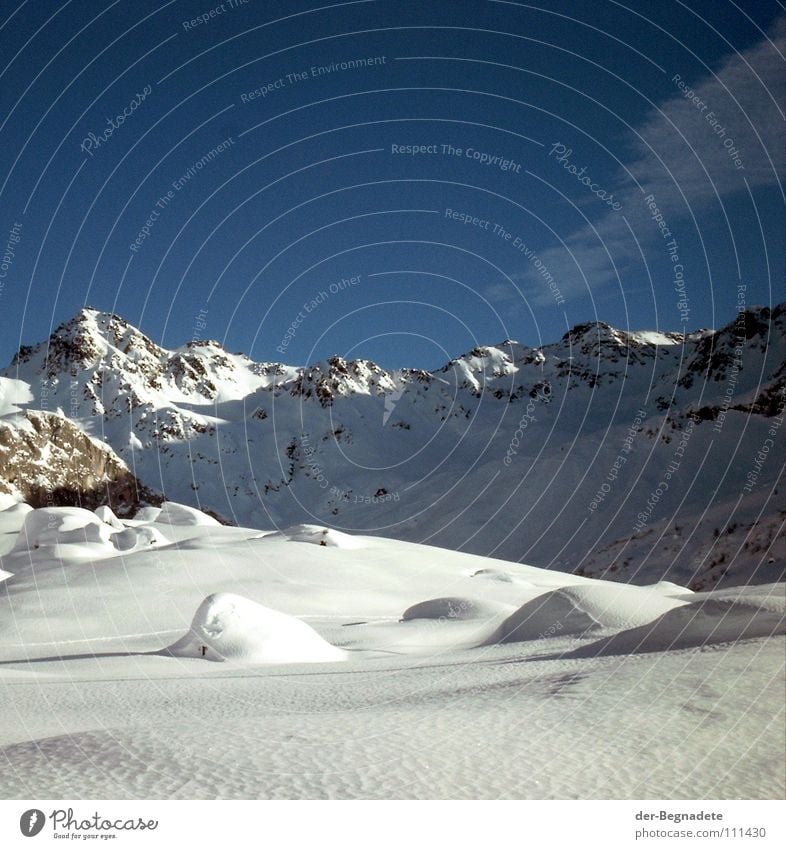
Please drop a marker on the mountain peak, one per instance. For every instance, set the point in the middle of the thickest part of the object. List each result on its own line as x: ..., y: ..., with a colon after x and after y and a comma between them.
x: 339, y: 377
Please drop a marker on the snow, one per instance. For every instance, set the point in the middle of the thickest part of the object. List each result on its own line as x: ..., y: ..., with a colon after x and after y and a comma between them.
x: 454, y: 609
x: 12, y: 517
x: 234, y: 628
x: 318, y: 535
x: 105, y: 514
x: 448, y: 682
x: 179, y: 514
x: 134, y: 539
x: 12, y: 514
x: 270, y: 445
x: 13, y: 393
x: 589, y: 607
x: 51, y: 534
x: 443, y: 672
x: 147, y: 514
x: 53, y: 527
x: 654, y: 337
x: 701, y: 623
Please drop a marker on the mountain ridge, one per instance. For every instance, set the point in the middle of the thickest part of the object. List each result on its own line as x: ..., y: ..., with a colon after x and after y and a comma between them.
x: 482, y: 454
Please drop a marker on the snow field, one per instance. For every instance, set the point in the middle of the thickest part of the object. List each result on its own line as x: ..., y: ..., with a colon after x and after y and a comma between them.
x: 366, y: 668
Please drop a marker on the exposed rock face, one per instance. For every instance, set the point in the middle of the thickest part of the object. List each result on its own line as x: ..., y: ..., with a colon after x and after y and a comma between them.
x: 46, y: 460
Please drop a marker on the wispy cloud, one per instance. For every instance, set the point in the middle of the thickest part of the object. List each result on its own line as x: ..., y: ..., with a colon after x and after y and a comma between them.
x: 739, y: 108
x: 690, y: 154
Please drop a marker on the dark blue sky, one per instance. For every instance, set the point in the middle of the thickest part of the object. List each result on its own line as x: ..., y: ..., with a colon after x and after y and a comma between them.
x: 248, y: 206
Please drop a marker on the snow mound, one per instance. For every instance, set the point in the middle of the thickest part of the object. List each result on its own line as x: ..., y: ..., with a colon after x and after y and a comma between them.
x: 48, y: 527
x: 173, y: 513
x: 703, y: 623
x: 491, y: 574
x: 12, y: 516
x: 135, y: 539
x: 237, y: 629
x: 766, y: 596
x: 669, y: 588
x: 12, y: 520
x: 146, y: 514
x: 587, y: 607
x: 8, y: 501
x: 105, y: 514
x: 455, y: 609
x: 318, y: 535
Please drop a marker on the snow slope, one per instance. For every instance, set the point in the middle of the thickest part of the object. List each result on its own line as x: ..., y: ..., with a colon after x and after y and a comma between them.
x: 368, y: 668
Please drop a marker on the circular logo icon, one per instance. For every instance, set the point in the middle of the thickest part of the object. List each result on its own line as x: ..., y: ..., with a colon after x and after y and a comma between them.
x: 31, y: 822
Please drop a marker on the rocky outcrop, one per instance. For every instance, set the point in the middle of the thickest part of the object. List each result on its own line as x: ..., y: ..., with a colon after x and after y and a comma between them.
x: 48, y: 461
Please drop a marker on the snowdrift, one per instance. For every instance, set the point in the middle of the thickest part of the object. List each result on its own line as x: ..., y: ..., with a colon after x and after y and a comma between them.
x: 12, y: 516
x: 317, y: 535
x: 53, y: 527
x: 105, y: 514
x: 146, y: 514
x: 703, y: 623
x: 493, y: 574
x: 172, y: 513
x: 73, y: 533
x: 455, y: 609
x: 137, y: 539
x: 8, y: 501
x: 576, y: 610
x: 234, y: 628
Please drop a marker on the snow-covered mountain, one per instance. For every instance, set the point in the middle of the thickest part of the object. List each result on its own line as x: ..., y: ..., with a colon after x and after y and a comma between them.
x: 629, y: 455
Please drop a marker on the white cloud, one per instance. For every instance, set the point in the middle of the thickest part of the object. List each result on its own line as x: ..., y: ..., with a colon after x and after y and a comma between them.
x: 677, y: 156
